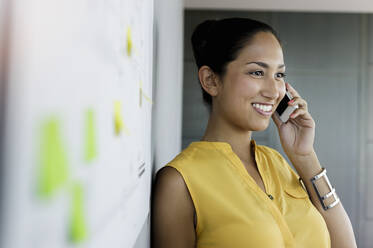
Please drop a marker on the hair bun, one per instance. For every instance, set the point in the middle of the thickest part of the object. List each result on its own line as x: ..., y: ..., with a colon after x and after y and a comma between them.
x: 200, y: 38
x: 202, y: 32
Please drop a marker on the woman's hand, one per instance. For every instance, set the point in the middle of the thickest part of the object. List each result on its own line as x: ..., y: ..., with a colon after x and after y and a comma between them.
x: 298, y: 133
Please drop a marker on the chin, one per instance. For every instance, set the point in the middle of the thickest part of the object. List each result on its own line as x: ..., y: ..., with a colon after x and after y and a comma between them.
x: 259, y: 126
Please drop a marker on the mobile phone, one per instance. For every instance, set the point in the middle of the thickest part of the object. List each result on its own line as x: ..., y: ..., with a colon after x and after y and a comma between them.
x: 283, y: 109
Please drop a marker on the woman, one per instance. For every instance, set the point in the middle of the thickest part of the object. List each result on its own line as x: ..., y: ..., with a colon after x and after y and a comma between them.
x: 225, y: 191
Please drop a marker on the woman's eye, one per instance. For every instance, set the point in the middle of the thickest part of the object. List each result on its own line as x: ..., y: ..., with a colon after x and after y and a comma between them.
x: 257, y: 73
x: 281, y: 75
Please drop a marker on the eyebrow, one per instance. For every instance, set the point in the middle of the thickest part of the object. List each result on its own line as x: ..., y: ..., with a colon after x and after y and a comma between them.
x: 265, y: 65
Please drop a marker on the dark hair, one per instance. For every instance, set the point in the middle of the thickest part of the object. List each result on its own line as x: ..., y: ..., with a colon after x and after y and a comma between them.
x: 218, y: 42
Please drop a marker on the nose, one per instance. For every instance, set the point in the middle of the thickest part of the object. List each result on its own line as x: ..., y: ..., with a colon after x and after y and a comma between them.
x: 272, y: 88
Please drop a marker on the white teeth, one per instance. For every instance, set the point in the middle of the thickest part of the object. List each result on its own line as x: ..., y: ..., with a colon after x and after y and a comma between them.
x: 265, y: 108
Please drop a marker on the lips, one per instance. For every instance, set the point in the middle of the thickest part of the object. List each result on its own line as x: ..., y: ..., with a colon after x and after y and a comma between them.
x: 263, y: 109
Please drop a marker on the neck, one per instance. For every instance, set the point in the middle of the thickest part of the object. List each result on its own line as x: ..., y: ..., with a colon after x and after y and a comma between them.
x: 220, y: 130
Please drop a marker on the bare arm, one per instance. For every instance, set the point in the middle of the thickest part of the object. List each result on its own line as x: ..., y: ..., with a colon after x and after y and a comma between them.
x: 172, y: 212
x: 336, y: 218
x: 297, y: 138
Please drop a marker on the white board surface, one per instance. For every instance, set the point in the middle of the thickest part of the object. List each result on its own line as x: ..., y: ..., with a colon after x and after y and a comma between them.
x: 81, y: 66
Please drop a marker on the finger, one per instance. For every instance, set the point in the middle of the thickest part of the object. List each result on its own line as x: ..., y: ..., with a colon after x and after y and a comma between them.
x: 276, y: 119
x: 300, y: 112
x: 298, y: 101
x: 292, y: 91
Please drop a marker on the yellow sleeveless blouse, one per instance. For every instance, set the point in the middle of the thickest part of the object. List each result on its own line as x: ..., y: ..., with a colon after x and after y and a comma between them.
x: 234, y: 212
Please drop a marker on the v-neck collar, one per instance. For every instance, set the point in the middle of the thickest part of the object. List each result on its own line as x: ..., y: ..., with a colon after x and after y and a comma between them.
x: 220, y: 145
x: 226, y: 149
x: 262, y: 163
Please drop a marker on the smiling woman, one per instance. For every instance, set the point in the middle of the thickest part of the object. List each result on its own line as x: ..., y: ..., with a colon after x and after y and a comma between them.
x: 218, y: 44
x: 227, y: 191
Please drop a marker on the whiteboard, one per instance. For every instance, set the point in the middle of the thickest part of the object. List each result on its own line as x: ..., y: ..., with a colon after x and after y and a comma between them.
x: 76, y: 165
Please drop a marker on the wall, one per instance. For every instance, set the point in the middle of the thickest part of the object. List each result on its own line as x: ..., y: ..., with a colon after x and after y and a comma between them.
x: 167, y: 91
x: 366, y: 134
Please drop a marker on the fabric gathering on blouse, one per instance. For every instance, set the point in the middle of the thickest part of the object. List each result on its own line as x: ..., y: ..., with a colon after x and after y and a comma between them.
x: 234, y: 212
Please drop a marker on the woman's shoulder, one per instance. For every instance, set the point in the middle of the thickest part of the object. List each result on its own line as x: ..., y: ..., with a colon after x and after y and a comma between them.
x: 171, y: 177
x: 172, y: 207
x: 195, y: 154
x: 169, y: 183
x: 180, y: 158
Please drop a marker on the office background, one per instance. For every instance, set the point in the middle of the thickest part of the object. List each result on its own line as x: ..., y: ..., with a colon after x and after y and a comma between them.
x: 329, y: 55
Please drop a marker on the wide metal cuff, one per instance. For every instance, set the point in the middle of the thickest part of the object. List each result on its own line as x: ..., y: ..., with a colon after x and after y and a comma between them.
x: 329, y: 194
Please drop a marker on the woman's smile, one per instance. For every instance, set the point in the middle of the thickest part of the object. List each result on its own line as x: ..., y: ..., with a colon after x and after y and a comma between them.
x: 263, y: 109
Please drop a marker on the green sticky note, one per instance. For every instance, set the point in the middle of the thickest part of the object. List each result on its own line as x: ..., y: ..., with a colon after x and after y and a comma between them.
x: 90, y: 136
x: 78, y: 228
x: 53, y: 170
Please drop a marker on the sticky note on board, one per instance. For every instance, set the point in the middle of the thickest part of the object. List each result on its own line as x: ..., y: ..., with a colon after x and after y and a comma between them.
x: 90, y: 142
x: 78, y: 226
x: 53, y: 167
x: 118, y: 119
x: 129, y: 42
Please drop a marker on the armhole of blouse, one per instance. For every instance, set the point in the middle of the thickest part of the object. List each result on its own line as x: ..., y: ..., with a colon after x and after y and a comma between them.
x: 192, y: 196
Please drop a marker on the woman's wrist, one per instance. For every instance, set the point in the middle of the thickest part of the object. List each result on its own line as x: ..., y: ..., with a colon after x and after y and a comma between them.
x: 307, y: 166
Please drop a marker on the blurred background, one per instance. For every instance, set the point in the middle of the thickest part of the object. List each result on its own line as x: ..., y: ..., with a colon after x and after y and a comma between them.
x: 328, y: 53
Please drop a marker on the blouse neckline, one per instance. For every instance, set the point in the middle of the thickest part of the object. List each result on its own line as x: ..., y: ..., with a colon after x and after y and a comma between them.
x: 220, y: 145
x: 226, y: 148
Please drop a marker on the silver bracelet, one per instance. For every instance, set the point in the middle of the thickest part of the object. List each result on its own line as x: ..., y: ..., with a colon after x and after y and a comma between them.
x: 331, y: 193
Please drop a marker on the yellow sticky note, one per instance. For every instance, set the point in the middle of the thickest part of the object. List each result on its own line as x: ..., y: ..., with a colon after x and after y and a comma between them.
x: 78, y: 227
x: 53, y: 169
x: 118, y: 120
x: 129, y: 42
x: 90, y: 145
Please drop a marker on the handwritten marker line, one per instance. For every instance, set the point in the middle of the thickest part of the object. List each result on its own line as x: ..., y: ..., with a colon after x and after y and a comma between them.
x: 144, y: 95
x: 147, y: 98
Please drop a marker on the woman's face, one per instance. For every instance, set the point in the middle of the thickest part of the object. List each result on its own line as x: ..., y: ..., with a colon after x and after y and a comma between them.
x: 253, y: 84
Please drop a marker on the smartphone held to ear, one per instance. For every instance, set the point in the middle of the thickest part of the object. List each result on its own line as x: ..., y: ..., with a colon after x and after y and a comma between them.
x: 283, y: 109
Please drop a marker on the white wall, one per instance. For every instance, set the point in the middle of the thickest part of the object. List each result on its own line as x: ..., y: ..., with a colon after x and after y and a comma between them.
x: 168, y: 80
x: 167, y: 90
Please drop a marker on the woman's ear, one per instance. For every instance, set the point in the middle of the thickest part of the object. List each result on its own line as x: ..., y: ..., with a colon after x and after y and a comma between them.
x: 209, y: 80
